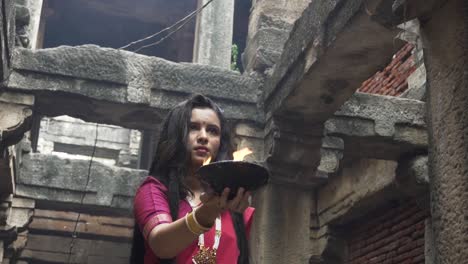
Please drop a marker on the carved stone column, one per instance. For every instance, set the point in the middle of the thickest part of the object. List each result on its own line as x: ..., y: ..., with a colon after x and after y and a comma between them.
x: 280, y: 232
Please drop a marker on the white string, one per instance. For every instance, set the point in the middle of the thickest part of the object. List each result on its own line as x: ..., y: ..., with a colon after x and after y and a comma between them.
x: 184, y: 21
x: 217, y: 238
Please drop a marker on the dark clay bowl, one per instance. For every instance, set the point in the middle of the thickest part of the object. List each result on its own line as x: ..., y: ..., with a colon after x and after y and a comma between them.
x: 233, y: 174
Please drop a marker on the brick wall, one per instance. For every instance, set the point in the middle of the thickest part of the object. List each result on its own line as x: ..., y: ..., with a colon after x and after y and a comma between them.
x: 392, y: 80
x: 101, y: 239
x: 391, y: 235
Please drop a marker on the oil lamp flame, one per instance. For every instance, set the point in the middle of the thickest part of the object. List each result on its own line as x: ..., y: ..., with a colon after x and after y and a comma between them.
x: 240, y: 154
x: 207, y: 161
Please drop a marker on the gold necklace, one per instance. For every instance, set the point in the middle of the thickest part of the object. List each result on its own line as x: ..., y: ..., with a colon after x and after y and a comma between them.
x: 207, y: 255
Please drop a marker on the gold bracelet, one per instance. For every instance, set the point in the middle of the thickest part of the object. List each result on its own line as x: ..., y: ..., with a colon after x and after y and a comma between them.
x: 192, y: 225
x: 202, y: 227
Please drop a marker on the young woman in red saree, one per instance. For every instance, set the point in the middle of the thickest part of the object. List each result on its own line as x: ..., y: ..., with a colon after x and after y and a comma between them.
x: 176, y: 221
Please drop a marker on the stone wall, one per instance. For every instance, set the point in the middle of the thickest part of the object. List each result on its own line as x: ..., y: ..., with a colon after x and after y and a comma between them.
x: 100, y: 238
x: 114, y: 145
x: 391, y: 234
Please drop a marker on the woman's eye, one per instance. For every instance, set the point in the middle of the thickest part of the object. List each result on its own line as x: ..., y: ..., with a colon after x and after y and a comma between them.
x: 213, y: 131
x: 193, y: 126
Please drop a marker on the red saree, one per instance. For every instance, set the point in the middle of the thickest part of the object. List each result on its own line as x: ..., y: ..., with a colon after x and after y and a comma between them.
x: 151, y: 208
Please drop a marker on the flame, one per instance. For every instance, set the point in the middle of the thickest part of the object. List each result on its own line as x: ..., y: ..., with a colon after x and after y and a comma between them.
x: 207, y: 161
x: 240, y: 154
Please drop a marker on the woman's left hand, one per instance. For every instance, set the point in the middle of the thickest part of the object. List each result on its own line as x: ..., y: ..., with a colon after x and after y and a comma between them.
x: 240, y: 202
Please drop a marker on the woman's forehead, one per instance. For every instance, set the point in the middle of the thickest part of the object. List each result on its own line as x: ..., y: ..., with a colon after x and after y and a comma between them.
x: 205, y: 115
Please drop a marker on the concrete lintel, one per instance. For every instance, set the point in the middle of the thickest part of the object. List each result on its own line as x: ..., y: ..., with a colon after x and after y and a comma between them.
x: 55, y: 179
x: 380, y: 126
x: 325, y: 61
x: 123, y: 88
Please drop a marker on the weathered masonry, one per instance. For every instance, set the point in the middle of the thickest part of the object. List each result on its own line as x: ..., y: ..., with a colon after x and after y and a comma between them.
x: 357, y: 107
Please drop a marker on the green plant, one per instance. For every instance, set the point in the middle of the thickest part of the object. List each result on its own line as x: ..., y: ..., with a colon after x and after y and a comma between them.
x: 234, y: 56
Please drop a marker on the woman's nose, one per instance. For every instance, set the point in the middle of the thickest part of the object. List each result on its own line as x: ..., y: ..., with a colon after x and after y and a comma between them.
x: 202, y: 136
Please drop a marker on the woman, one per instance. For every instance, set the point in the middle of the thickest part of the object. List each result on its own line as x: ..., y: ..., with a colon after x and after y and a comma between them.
x: 176, y: 222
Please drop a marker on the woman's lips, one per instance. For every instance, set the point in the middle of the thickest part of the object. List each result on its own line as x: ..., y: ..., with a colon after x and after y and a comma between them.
x: 201, y: 151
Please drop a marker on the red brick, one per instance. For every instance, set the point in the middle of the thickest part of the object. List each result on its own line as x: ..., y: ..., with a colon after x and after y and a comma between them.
x: 395, y: 235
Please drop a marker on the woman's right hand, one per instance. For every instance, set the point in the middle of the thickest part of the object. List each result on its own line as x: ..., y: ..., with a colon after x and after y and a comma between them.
x: 212, y: 206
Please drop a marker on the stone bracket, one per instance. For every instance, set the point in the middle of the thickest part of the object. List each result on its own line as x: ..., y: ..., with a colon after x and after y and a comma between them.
x: 15, y: 117
x: 331, y: 155
x: 293, y: 152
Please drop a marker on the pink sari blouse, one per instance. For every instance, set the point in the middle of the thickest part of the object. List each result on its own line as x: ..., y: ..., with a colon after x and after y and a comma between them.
x: 151, y: 208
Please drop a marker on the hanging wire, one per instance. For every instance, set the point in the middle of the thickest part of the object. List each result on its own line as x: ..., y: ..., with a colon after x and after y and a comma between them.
x: 75, y: 232
x: 183, y: 22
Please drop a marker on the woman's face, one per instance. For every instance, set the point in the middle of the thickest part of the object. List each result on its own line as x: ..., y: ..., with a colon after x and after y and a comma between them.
x: 204, y: 136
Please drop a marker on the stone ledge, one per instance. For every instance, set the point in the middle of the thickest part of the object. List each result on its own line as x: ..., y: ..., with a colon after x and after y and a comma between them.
x: 48, y: 177
x: 123, y: 88
x: 137, y: 72
x: 378, y: 126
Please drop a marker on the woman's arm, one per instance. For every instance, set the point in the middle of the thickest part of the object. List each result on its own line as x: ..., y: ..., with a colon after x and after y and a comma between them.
x: 169, y: 239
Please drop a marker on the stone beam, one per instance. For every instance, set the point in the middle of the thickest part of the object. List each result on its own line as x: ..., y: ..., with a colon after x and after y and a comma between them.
x: 391, y: 13
x: 325, y: 59
x: 383, y: 127
x: 7, y: 36
x: 51, y: 179
x: 123, y: 88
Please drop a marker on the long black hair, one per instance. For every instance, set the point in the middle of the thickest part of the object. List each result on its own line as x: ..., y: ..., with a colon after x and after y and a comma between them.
x: 170, y: 166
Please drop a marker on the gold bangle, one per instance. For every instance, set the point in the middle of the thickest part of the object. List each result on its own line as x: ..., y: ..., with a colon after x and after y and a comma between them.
x: 204, y: 228
x: 192, y: 225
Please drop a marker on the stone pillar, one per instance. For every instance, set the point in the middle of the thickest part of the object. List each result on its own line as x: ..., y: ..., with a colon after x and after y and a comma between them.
x: 428, y: 243
x: 35, y: 10
x: 213, y: 34
x: 270, y: 23
x: 280, y: 232
x: 445, y: 39
x: 7, y: 35
x: 28, y: 19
